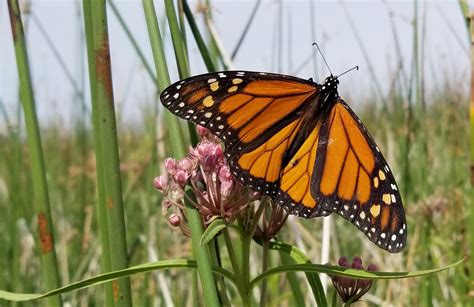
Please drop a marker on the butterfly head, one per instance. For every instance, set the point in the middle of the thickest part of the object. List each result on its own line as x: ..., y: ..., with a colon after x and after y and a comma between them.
x: 331, y: 82
x: 330, y: 85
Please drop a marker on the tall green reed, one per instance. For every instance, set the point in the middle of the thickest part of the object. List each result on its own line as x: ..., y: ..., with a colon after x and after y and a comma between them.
x: 111, y: 211
x: 200, y: 252
x: 42, y: 208
x: 468, y: 15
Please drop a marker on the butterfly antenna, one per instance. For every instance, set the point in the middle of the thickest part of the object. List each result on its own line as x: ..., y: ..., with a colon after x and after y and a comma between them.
x: 317, y: 46
x: 355, y: 67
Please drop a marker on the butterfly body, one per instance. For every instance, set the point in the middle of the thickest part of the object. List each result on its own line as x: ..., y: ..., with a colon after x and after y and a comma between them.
x: 298, y: 142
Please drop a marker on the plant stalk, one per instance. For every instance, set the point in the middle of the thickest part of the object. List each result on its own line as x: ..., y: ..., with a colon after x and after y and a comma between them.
x: 106, y: 130
x: 38, y: 171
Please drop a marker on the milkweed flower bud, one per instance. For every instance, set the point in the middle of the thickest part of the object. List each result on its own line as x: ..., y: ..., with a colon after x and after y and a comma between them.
x: 161, y: 183
x: 352, y: 288
x: 185, y: 165
x: 174, y: 219
x: 181, y: 177
x: 170, y: 165
x: 203, y: 132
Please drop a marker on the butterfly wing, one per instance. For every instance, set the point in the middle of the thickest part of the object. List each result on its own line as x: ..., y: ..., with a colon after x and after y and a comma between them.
x: 352, y: 178
x: 257, y: 116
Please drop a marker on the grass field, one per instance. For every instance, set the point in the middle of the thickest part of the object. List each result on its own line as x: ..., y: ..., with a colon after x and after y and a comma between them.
x: 105, y: 213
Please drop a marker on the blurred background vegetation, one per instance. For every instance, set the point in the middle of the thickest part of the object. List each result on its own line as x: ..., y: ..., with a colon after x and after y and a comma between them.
x: 415, y: 106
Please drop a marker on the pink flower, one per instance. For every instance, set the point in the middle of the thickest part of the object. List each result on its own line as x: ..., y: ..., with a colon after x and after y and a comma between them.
x: 185, y: 164
x: 174, y: 219
x: 207, y: 148
x: 181, y: 177
x: 161, y: 183
x: 202, y: 131
x: 226, y: 187
x: 170, y: 165
x: 225, y: 174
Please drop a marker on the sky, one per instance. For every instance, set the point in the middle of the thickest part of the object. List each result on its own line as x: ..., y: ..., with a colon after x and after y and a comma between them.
x: 335, y: 25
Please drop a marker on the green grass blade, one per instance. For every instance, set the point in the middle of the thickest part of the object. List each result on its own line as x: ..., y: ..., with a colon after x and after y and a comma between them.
x: 176, y: 37
x: 38, y: 171
x: 212, y: 230
x: 340, y: 271
x: 109, y: 276
x: 206, y: 56
x: 178, y: 146
x: 180, y: 54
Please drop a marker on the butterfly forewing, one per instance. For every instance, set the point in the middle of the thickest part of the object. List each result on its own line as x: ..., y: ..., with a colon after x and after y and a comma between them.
x: 257, y: 115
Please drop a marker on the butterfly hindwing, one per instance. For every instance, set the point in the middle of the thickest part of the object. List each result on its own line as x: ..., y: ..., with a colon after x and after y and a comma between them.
x: 352, y: 178
x: 295, y: 182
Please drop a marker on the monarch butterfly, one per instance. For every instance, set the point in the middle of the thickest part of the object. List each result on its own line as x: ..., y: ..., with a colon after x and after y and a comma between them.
x: 299, y: 143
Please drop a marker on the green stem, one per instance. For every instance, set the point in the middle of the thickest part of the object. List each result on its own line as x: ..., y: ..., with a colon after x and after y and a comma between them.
x: 232, y: 256
x: 201, y: 254
x: 246, y: 242
x: 471, y: 117
x: 101, y: 208
x: 263, y: 296
x: 214, y: 250
x: 180, y: 54
x: 38, y: 171
x: 110, y: 162
x: 176, y: 37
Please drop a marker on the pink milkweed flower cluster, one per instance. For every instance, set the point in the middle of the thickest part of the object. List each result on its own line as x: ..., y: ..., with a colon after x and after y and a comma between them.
x: 207, y: 173
x: 352, y: 289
